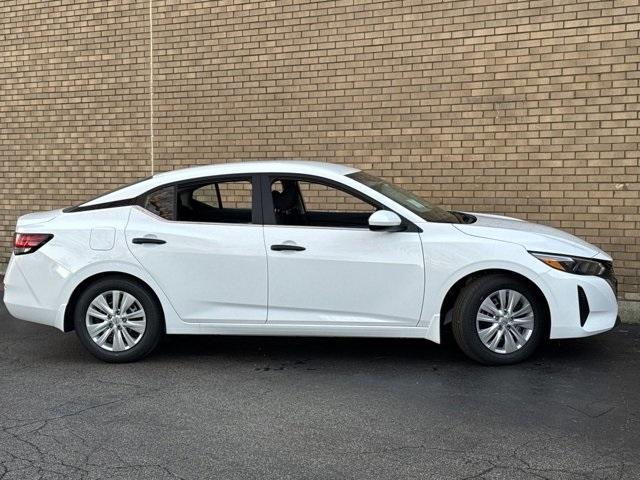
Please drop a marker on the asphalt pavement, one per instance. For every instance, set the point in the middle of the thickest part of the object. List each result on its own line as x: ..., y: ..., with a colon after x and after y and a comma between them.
x: 309, y: 408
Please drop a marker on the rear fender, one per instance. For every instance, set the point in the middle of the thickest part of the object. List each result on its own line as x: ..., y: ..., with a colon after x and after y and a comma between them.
x: 172, y: 320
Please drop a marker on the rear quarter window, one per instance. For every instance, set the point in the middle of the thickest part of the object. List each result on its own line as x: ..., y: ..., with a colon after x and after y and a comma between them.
x: 162, y: 203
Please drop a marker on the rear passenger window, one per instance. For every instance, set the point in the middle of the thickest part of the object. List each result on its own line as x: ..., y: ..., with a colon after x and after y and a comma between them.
x: 207, y: 195
x: 162, y: 203
x: 216, y: 202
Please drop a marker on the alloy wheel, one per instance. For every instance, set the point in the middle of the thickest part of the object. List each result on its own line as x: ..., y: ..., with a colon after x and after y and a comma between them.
x: 116, y: 320
x: 505, y: 321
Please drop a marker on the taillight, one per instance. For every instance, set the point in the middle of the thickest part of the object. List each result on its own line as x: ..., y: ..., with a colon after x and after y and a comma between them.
x: 29, y: 242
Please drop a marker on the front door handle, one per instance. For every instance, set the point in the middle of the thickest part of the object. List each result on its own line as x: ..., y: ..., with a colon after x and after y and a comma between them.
x: 141, y: 240
x: 282, y: 247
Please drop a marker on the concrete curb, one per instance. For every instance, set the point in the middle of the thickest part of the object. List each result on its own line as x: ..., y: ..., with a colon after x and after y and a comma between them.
x: 629, y: 312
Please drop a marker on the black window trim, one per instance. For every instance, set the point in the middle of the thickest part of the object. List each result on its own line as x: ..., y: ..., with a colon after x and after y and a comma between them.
x: 112, y: 204
x: 256, y: 211
x: 219, y: 197
x: 140, y: 200
x: 101, y: 206
x: 261, y: 203
x: 268, y: 214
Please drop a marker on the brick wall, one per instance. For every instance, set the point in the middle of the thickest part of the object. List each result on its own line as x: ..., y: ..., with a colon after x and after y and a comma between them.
x: 524, y: 108
x: 74, y: 115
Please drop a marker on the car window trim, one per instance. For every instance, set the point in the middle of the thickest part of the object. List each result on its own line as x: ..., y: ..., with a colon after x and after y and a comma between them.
x: 262, y: 203
x: 219, y: 196
x: 238, y: 177
x: 140, y: 200
x: 256, y: 211
x: 159, y: 218
x: 112, y: 204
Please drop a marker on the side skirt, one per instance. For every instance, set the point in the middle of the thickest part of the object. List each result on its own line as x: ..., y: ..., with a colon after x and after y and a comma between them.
x: 299, y: 330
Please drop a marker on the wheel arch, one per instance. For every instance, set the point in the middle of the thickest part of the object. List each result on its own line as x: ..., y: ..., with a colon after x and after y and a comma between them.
x: 454, y: 291
x: 73, y: 299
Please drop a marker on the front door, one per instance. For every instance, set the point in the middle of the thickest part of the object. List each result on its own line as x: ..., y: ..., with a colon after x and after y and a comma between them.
x: 201, y: 245
x: 327, y: 268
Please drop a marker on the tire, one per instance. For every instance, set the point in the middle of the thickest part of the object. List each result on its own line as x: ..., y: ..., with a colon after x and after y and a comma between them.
x: 139, y: 328
x: 477, y: 310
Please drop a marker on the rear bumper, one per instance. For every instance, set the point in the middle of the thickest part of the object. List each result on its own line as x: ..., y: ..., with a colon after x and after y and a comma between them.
x: 33, y: 314
x: 23, y: 303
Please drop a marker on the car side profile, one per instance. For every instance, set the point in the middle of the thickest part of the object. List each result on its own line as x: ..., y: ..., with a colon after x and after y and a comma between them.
x: 301, y: 249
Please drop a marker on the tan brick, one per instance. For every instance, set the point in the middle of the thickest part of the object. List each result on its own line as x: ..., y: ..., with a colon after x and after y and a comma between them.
x: 524, y: 108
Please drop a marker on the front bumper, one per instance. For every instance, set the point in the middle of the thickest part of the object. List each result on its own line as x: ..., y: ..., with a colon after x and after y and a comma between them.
x: 563, y: 295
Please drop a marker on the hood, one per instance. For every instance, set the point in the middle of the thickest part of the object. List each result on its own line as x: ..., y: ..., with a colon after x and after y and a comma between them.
x: 532, y: 236
x: 37, y: 217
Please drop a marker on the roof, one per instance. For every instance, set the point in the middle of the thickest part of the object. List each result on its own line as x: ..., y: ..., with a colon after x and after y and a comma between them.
x: 276, y: 166
x: 320, y: 169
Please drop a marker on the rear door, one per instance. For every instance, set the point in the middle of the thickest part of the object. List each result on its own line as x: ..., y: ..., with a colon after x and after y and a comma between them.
x: 203, y: 243
x: 327, y: 268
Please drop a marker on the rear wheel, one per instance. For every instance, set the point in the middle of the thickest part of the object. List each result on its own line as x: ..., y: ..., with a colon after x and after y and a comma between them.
x: 499, y: 320
x: 118, y: 320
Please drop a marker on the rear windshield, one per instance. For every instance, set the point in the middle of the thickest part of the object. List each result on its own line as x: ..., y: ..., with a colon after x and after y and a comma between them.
x: 74, y: 207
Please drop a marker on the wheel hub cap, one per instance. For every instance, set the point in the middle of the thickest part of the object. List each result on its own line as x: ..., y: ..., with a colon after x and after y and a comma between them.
x: 505, y: 321
x: 116, y: 320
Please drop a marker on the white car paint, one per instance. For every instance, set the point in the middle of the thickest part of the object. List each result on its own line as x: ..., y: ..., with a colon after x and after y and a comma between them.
x: 532, y: 236
x: 212, y: 273
x: 346, y: 277
x: 223, y: 278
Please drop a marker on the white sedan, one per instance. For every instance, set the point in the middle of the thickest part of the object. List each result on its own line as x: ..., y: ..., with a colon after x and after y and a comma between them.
x: 302, y: 249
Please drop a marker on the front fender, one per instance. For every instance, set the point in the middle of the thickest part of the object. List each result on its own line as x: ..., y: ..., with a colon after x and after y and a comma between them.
x: 450, y: 257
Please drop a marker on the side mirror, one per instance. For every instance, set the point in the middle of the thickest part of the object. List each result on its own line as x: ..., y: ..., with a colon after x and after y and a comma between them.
x: 385, y: 220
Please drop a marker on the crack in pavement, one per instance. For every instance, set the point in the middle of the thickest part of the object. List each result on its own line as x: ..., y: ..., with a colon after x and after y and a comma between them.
x: 29, y: 456
x: 496, y: 462
x: 180, y: 416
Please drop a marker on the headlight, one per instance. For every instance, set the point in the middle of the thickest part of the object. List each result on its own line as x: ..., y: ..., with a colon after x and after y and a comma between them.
x: 577, y: 265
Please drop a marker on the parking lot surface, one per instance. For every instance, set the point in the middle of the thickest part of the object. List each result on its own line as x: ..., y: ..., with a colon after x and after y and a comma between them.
x: 301, y: 408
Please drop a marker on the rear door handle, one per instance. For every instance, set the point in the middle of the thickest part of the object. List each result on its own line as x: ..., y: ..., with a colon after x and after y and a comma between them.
x: 282, y: 247
x: 141, y: 240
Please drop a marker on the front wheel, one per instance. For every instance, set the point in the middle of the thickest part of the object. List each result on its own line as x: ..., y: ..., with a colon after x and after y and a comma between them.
x: 499, y: 320
x: 118, y: 320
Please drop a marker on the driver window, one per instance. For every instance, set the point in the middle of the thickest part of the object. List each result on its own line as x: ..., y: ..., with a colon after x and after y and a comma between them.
x: 315, y: 204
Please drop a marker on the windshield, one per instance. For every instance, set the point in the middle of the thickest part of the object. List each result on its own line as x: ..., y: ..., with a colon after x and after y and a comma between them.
x: 408, y: 200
